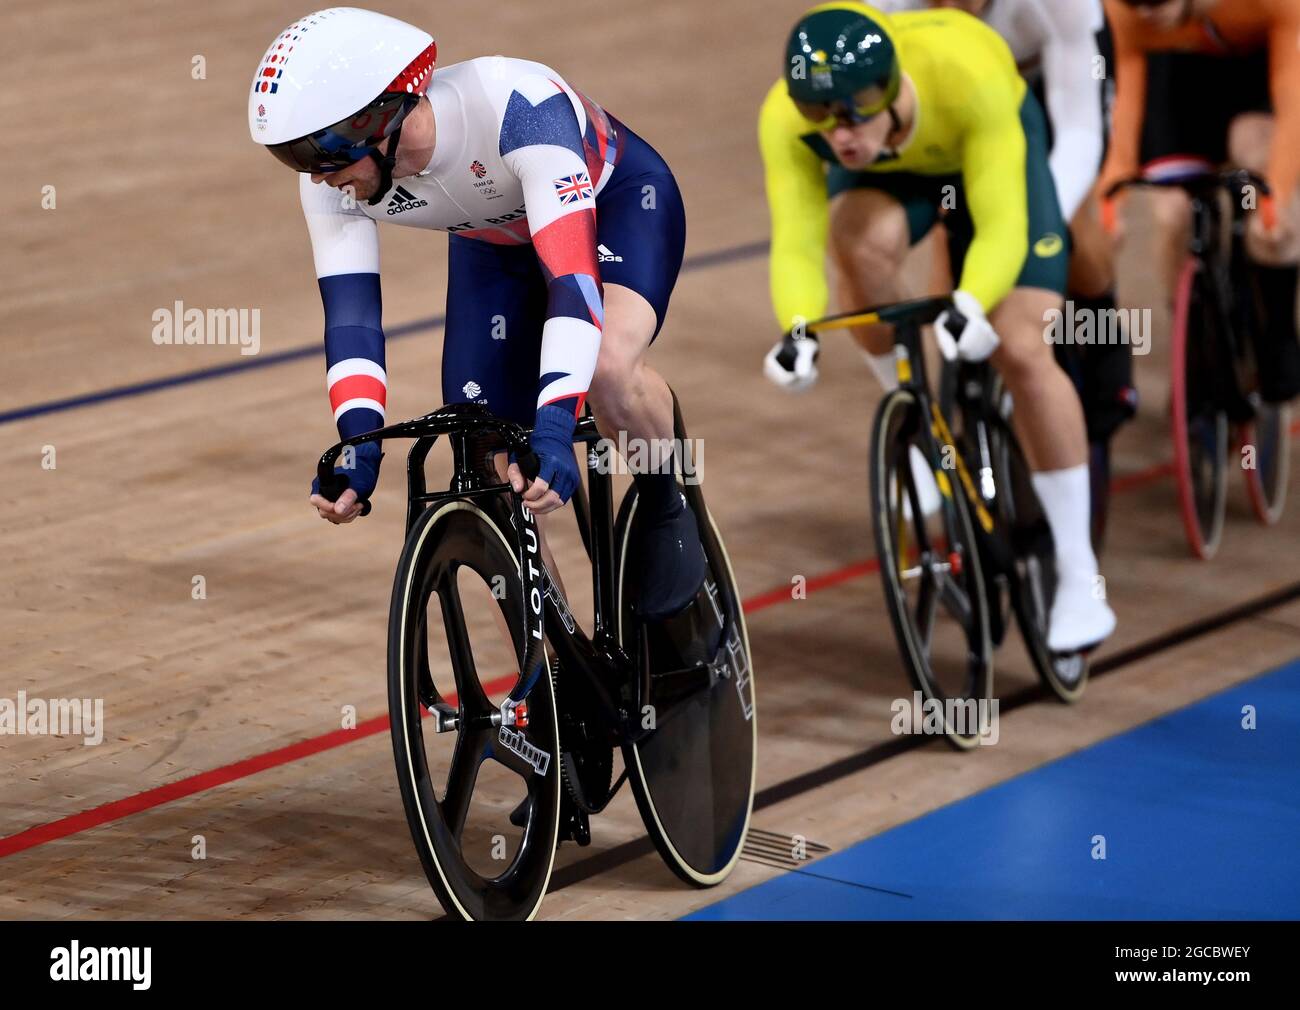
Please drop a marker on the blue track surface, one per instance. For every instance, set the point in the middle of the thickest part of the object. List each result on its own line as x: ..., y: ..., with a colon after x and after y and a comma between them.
x: 1201, y: 820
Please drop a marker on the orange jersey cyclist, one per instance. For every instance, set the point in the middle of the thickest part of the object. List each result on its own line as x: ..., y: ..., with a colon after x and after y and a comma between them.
x: 878, y: 124
x: 1201, y: 83
x: 566, y: 236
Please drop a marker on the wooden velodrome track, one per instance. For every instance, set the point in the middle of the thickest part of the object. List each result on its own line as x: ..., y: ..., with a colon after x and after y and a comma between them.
x: 223, y: 714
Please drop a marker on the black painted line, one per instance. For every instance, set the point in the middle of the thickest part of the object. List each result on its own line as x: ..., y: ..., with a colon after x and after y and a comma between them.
x: 854, y: 883
x: 777, y: 864
x: 844, y: 767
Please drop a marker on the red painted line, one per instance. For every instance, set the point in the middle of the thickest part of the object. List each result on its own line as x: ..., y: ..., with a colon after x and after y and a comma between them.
x: 150, y: 798
x: 1135, y: 480
x: 782, y: 593
x: 185, y: 787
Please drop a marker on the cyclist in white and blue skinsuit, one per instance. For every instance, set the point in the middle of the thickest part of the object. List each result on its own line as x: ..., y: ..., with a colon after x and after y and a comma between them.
x: 566, y: 236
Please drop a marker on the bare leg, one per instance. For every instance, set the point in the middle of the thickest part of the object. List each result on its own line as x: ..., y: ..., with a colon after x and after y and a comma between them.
x: 1048, y: 416
x: 1049, y: 422
x: 1171, y: 219
x: 869, y: 240
x: 629, y: 396
x: 626, y: 393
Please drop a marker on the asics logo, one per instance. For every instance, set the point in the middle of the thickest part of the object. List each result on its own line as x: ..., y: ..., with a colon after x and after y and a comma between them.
x: 1048, y: 246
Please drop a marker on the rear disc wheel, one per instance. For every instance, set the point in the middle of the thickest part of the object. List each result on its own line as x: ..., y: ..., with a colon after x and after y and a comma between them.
x: 693, y: 775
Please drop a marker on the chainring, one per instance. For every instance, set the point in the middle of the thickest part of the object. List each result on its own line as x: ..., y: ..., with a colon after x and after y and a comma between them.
x: 586, y: 755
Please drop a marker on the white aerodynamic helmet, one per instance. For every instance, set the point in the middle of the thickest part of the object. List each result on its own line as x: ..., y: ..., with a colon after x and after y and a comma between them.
x: 335, y: 83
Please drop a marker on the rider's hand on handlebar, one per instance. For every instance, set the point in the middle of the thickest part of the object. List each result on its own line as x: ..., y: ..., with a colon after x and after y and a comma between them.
x: 971, y: 338
x: 1271, y: 237
x: 557, y: 474
x: 792, y: 363
x: 362, y: 477
x: 539, y: 497
x: 338, y: 512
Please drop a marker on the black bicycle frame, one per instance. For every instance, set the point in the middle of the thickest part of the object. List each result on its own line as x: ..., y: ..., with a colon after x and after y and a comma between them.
x: 622, y: 697
x: 476, y: 436
x: 959, y: 383
x: 474, y: 433
x: 1228, y: 277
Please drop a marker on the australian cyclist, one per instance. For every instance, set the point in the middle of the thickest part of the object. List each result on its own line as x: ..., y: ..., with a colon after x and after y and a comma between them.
x: 877, y: 125
x: 1063, y: 50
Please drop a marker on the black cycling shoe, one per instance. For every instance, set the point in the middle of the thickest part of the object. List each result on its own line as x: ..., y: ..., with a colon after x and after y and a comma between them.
x: 671, y: 561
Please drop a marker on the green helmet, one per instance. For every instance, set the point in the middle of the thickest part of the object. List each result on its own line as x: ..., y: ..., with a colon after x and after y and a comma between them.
x: 843, y: 53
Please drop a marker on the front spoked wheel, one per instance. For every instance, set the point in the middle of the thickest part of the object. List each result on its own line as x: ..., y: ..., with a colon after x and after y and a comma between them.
x: 931, y: 570
x: 1199, y: 422
x: 455, y: 643
x: 1033, y: 553
x: 1266, y: 479
x: 693, y: 774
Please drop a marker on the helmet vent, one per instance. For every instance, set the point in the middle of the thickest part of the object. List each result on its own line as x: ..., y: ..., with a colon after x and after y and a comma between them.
x: 415, y: 78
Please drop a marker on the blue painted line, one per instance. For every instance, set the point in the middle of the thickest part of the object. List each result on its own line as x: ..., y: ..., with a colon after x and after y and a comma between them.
x: 201, y: 375
x: 700, y: 262
x: 1199, y: 817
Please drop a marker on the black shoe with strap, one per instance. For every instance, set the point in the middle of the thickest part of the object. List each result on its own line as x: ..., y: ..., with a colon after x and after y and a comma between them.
x: 669, y: 559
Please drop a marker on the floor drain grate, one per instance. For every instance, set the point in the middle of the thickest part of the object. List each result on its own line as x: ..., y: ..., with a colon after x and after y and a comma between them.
x: 784, y: 850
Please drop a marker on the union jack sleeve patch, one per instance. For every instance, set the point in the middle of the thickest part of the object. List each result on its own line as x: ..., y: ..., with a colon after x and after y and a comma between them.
x: 572, y: 188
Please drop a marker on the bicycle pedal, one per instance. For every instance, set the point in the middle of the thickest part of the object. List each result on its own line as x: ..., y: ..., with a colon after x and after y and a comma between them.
x: 575, y: 827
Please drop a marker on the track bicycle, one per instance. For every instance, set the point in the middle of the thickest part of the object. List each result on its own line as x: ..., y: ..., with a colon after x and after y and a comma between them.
x: 1213, y: 369
x: 490, y: 787
x: 952, y: 578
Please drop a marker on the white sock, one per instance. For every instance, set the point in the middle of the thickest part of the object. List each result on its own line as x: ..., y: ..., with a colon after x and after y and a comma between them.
x: 1066, y: 496
x: 885, y: 367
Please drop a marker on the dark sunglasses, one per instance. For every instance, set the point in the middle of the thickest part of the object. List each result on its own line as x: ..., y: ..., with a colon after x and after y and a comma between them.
x: 863, y: 107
